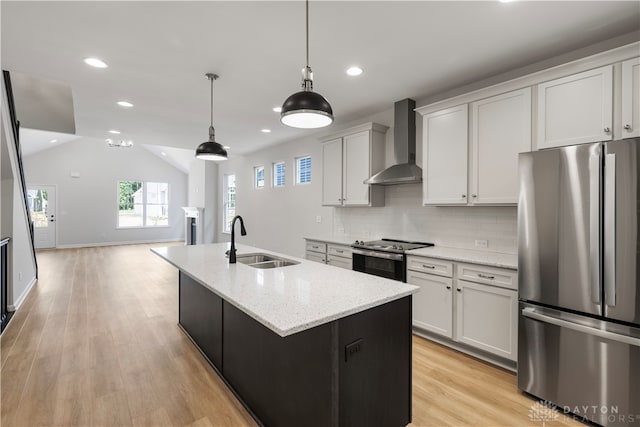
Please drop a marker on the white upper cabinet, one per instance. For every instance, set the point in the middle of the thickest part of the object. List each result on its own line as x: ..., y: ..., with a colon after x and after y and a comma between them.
x: 576, y: 109
x: 630, y: 112
x: 444, y: 164
x: 348, y: 160
x: 332, y: 172
x: 501, y: 130
x: 356, y: 168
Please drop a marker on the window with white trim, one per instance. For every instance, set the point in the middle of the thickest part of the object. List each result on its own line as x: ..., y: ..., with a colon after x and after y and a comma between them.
x: 229, y: 202
x: 279, y: 173
x: 303, y: 170
x: 258, y: 177
x: 143, y: 204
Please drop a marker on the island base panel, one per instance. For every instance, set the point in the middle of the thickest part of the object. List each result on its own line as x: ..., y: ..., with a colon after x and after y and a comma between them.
x: 200, y: 315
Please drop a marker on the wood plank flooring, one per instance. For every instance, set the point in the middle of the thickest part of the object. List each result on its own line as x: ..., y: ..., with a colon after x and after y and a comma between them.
x: 96, y: 343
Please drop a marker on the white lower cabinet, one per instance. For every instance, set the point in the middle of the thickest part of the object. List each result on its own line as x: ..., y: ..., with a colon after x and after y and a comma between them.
x: 484, y: 312
x: 329, y: 253
x: 432, y: 306
x: 487, y: 318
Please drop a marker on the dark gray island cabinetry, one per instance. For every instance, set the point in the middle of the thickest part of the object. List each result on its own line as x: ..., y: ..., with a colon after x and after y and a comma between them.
x: 293, y: 363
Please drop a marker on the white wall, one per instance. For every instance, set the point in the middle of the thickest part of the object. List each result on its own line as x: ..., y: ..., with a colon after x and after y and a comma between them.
x: 203, y: 193
x: 279, y: 218
x: 87, y: 206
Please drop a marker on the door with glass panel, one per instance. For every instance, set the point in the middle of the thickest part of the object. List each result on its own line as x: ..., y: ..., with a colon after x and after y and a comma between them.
x: 42, y: 207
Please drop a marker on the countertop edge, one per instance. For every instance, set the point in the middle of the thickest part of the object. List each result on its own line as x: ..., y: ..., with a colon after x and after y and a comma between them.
x: 423, y: 252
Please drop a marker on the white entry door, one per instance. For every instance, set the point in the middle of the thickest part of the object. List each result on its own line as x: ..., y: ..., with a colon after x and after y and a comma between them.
x: 42, y: 206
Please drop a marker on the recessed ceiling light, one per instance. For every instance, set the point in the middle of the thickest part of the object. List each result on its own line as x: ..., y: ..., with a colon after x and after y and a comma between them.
x: 277, y: 109
x: 95, y: 62
x: 125, y: 104
x: 163, y: 153
x: 354, y: 71
x: 226, y: 147
x: 53, y: 141
x: 115, y: 132
x: 506, y: 1
x: 265, y: 130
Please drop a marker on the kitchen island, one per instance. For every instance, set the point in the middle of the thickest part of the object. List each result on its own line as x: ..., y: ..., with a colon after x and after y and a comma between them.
x: 304, y: 344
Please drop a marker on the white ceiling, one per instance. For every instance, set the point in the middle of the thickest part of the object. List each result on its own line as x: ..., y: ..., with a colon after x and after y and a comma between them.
x: 34, y: 140
x: 158, y: 53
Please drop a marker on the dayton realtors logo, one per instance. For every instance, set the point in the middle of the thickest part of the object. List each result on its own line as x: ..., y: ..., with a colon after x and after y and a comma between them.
x: 544, y: 412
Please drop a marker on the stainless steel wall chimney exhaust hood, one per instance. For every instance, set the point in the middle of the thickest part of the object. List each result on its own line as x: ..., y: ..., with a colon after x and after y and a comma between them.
x: 405, y: 171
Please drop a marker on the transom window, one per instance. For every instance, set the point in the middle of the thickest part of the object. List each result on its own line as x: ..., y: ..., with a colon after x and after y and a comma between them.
x: 279, y: 173
x: 143, y: 204
x: 258, y: 176
x: 303, y: 170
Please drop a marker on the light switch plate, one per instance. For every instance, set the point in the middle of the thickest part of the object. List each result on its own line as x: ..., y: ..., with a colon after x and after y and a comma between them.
x: 482, y: 243
x: 318, y: 219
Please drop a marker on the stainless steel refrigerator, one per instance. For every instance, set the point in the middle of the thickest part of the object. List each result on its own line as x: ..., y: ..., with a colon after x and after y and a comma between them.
x: 578, y: 270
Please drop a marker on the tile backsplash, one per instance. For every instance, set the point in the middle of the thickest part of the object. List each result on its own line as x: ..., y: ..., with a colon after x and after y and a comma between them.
x: 404, y: 217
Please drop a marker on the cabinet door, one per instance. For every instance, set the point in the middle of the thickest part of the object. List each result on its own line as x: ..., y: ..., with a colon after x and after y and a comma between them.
x: 631, y: 98
x: 332, y: 172
x: 314, y: 256
x: 576, y: 109
x: 356, y: 164
x: 340, y: 262
x: 501, y: 130
x: 487, y: 318
x: 444, y: 165
x: 433, y: 304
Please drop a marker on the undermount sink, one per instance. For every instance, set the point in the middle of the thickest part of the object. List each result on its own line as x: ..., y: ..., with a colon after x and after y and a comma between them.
x: 264, y: 261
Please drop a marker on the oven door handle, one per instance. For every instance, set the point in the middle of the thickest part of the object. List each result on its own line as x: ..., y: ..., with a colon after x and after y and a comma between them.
x: 376, y: 254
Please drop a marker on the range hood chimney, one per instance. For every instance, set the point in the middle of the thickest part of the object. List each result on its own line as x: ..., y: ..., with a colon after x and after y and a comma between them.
x: 405, y: 171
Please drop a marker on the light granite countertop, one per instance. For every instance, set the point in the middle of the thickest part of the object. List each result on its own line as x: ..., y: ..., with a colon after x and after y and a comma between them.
x: 286, y: 299
x: 495, y: 259
x: 339, y: 240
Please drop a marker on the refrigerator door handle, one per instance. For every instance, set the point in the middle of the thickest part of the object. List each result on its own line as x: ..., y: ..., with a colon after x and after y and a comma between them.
x: 595, y: 169
x: 610, y: 230
x: 531, y: 313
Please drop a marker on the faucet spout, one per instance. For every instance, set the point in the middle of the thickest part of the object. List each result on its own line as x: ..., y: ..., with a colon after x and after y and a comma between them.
x: 243, y: 231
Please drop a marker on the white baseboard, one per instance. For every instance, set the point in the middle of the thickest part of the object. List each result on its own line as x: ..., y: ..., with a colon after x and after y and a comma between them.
x: 21, y: 298
x: 131, y: 242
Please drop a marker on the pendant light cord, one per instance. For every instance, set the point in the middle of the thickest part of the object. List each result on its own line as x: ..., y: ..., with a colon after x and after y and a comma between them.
x: 307, y: 33
x: 211, y: 78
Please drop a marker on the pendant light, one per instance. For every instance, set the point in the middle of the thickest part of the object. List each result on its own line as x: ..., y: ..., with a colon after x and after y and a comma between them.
x: 306, y: 109
x: 211, y: 150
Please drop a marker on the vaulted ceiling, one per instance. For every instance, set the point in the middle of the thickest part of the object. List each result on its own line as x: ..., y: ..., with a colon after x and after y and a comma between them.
x: 158, y: 53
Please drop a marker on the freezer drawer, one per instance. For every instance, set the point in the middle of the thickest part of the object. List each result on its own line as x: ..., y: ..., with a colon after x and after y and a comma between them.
x: 583, y: 365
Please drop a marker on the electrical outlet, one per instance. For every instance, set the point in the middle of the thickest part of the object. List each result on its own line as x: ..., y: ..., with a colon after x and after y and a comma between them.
x: 318, y: 219
x: 482, y: 243
x: 350, y: 350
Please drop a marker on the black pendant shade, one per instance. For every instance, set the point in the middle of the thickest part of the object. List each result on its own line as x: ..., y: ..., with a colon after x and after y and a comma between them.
x: 306, y: 109
x: 211, y: 150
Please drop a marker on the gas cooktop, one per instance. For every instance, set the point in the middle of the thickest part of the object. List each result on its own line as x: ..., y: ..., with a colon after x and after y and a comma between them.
x: 389, y: 245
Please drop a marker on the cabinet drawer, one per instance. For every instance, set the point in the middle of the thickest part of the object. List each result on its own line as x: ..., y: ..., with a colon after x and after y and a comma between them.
x: 489, y: 275
x: 339, y: 250
x: 430, y: 265
x: 316, y: 247
x: 314, y: 256
x: 339, y: 261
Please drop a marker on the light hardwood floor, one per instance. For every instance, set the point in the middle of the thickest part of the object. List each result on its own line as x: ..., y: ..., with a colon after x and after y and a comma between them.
x: 96, y: 343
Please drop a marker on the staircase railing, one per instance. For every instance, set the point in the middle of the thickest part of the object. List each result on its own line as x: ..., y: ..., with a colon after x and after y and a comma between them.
x: 4, y: 314
x: 15, y: 125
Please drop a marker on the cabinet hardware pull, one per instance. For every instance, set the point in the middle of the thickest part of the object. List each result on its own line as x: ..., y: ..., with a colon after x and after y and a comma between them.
x: 339, y: 251
x: 459, y: 290
x: 627, y: 127
x: 607, y: 130
x: 484, y: 276
x: 464, y: 196
x: 448, y: 287
x: 474, y: 195
x: 429, y: 266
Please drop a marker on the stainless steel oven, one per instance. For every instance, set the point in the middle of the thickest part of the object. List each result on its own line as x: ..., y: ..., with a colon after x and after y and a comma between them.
x: 389, y: 265
x: 385, y: 258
